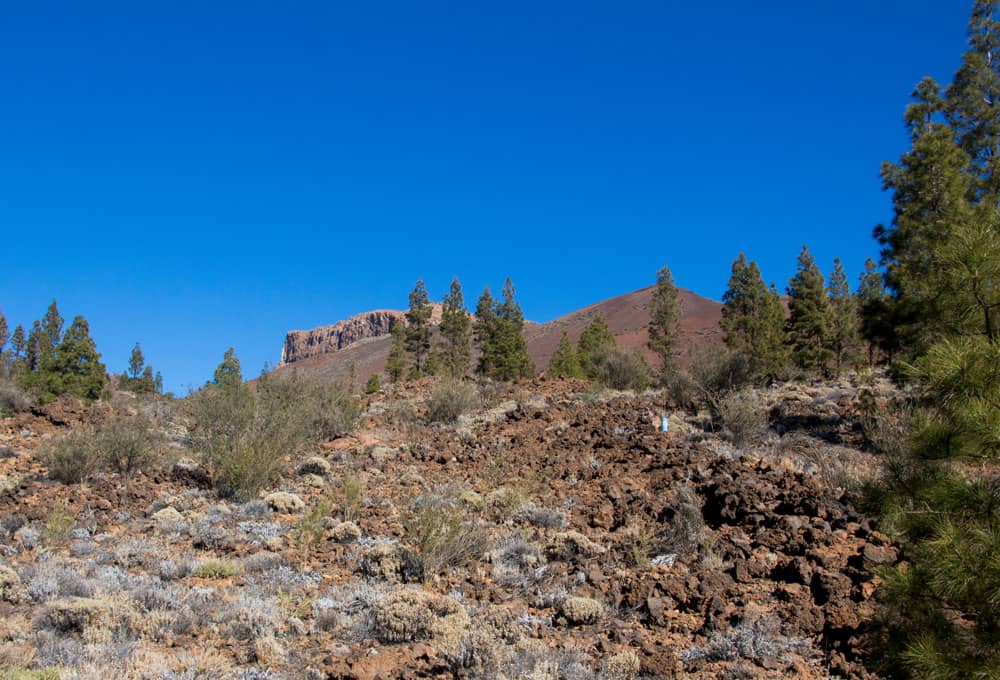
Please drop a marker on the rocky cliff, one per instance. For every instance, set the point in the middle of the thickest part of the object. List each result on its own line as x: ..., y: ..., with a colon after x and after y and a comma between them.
x: 301, y: 345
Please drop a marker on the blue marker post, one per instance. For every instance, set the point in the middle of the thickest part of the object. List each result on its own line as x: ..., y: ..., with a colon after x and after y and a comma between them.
x: 664, y: 425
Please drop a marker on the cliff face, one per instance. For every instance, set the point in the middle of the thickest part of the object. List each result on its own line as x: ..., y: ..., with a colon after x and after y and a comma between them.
x: 301, y: 345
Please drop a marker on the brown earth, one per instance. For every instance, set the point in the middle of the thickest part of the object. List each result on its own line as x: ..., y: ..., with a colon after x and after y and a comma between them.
x: 602, y: 549
x: 362, y: 342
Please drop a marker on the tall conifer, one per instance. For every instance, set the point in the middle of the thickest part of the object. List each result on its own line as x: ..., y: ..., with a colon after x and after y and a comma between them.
x: 808, y: 321
x: 456, y: 350
x: 418, y: 329
x: 665, y: 323
x: 843, y: 318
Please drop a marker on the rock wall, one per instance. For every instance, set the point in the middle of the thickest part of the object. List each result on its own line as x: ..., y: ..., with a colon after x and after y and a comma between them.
x: 301, y: 345
x: 327, y: 339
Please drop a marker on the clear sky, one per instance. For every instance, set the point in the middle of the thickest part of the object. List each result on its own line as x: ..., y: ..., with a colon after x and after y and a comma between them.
x: 200, y: 175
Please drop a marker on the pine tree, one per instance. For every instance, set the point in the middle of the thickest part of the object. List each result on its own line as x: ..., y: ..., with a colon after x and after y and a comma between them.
x: 499, y: 331
x: 564, y: 362
x: 665, y: 323
x: 595, y: 342
x: 395, y: 365
x: 52, y: 326
x: 146, y: 383
x: 34, y: 348
x: 753, y: 320
x: 75, y: 367
x: 136, y: 362
x: 485, y: 332
x: 373, y: 385
x: 930, y: 187
x: 808, y: 321
x: 873, y: 305
x: 158, y: 383
x: 514, y: 361
x: 418, y: 329
x: 4, y: 332
x: 18, y: 348
x: 938, y: 497
x: 228, y: 374
x: 972, y: 102
x: 843, y: 318
x: 456, y: 350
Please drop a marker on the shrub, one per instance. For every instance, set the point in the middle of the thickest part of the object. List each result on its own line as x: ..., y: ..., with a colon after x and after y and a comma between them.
x: 352, y: 492
x: 410, y: 615
x: 59, y: 524
x: 450, y: 400
x: 13, y: 399
x: 620, y: 369
x: 216, y: 569
x: 72, y: 458
x: 440, y: 535
x: 711, y: 374
x: 744, y: 415
x: 686, y: 526
x: 246, y: 436
x: 373, y: 385
x: 125, y: 444
x: 754, y: 639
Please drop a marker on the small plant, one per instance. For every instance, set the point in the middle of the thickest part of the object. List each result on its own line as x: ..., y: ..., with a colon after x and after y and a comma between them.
x: 352, y: 490
x: 744, y: 414
x: 292, y: 605
x: 641, y: 536
x: 373, y: 385
x: 440, y: 535
x: 217, y: 570
x: 686, y: 528
x: 450, y: 400
x: 753, y: 639
x: 309, y: 530
x: 59, y: 524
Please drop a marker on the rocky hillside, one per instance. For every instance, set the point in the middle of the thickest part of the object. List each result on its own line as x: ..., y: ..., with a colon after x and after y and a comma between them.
x: 362, y: 341
x: 549, y: 533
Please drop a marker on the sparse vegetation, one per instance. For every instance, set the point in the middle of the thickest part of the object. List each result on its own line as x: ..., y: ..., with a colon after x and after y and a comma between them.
x: 451, y: 399
x: 441, y: 535
x: 744, y: 415
x: 248, y: 437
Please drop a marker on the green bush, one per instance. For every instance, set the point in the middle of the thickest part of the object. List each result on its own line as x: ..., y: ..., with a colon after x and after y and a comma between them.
x: 13, y: 399
x: 711, y: 374
x: 246, y: 436
x: 619, y: 369
x: 450, y: 400
x: 744, y: 415
x: 373, y: 385
x: 71, y: 458
x: 125, y: 444
x: 440, y: 535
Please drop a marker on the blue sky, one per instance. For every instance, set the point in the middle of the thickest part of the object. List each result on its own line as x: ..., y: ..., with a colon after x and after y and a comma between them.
x: 197, y: 178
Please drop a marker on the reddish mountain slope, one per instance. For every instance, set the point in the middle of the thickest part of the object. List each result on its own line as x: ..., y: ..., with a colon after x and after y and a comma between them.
x: 627, y: 316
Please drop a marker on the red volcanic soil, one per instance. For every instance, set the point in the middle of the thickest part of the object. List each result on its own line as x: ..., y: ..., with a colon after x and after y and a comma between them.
x: 627, y: 316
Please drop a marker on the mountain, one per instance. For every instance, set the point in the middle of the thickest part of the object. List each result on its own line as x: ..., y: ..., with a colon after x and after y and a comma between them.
x: 363, y: 341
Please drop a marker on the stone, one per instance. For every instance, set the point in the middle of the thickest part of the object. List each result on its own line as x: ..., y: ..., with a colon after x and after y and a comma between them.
x: 189, y: 472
